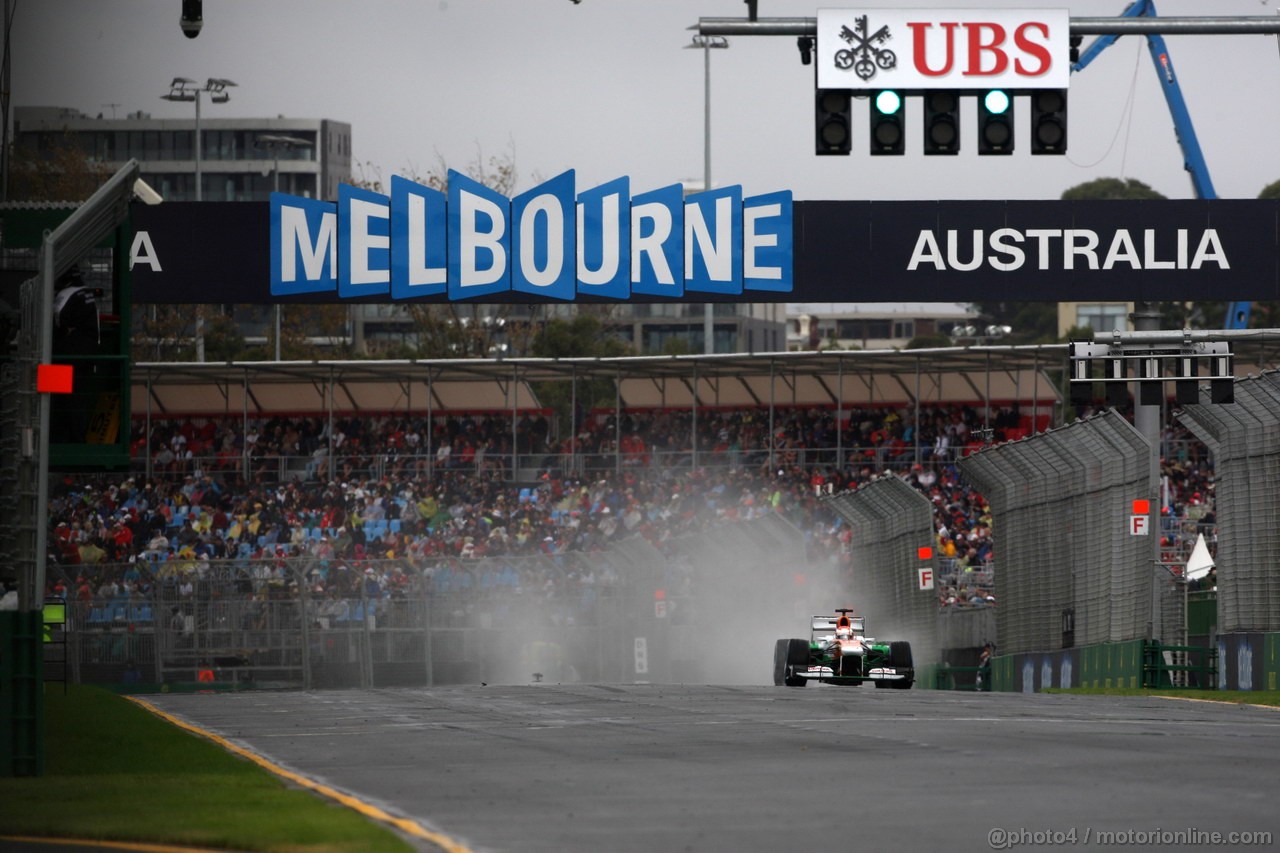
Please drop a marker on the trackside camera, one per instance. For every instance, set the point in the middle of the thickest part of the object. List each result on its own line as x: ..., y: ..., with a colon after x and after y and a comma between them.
x: 192, y: 17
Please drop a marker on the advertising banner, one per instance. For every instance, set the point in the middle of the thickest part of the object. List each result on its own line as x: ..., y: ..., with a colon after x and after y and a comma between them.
x: 916, y: 49
x: 710, y: 247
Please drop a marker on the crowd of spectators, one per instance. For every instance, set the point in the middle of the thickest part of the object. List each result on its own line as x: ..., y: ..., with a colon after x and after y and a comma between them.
x: 396, y: 444
x: 398, y: 500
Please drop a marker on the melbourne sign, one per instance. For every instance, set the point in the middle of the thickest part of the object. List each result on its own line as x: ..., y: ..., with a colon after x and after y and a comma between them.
x: 605, y: 245
x: 550, y: 242
x: 913, y: 49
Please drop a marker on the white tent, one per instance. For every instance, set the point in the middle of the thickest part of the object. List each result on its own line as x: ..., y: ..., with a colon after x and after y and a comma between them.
x: 1200, y: 562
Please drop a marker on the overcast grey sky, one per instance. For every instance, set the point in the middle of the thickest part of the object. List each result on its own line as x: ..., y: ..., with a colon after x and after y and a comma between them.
x: 604, y: 86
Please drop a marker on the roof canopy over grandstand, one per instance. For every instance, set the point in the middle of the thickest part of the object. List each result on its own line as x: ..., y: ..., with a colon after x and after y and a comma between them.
x: 976, y: 374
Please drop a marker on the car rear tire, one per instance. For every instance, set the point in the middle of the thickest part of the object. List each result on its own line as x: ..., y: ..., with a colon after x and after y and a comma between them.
x: 900, y: 658
x: 797, y: 658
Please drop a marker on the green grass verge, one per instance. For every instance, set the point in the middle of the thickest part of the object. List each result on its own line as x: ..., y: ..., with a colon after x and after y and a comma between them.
x: 113, y: 771
x: 1238, y: 697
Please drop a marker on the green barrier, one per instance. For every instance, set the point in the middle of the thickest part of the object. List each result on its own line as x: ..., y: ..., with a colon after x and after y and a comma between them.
x: 1156, y: 672
x: 21, y: 693
x: 1202, y: 613
x: 1112, y: 664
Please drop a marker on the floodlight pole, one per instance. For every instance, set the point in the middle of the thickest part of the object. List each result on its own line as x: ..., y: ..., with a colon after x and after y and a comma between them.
x: 184, y: 89
x: 707, y: 43
x: 275, y: 142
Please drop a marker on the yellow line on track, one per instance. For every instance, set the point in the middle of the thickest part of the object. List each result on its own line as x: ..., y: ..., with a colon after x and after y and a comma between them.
x: 369, y: 810
x: 1217, y: 701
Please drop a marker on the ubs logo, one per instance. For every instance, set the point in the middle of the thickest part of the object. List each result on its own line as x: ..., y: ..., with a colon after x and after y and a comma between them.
x: 866, y: 52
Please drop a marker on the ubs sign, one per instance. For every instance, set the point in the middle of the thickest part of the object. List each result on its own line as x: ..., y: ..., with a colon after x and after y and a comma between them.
x: 913, y: 49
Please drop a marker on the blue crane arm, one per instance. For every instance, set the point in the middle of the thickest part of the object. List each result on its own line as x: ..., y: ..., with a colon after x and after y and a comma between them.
x: 1193, y: 158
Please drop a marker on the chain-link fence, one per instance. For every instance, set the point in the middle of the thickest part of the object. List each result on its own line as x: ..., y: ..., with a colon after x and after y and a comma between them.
x: 1070, y: 573
x: 891, y: 521
x: 634, y: 612
x: 1244, y: 439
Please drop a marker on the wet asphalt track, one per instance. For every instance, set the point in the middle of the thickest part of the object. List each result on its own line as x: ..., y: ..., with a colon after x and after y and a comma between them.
x: 656, y: 768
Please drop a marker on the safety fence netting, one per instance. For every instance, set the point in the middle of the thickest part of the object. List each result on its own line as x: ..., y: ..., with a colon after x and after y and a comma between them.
x: 1071, y: 571
x: 681, y: 610
x: 1244, y: 440
x: 892, y: 578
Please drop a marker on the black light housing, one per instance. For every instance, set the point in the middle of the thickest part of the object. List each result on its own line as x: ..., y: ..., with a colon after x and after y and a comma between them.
x: 995, y: 122
x: 887, y: 132
x: 1049, y: 121
x: 832, y: 122
x: 941, y: 121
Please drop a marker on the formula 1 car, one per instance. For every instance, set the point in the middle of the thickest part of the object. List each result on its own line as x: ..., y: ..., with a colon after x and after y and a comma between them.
x: 837, y: 652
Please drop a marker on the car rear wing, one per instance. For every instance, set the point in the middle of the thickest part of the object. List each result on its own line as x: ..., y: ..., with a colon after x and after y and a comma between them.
x: 827, y: 624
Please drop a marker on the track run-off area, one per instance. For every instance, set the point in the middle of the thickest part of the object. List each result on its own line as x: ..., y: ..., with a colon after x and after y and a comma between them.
x: 660, y: 768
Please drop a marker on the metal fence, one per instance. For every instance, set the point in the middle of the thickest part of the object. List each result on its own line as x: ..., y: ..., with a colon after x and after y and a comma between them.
x: 635, y: 612
x: 1070, y: 574
x: 1244, y: 439
x: 891, y: 521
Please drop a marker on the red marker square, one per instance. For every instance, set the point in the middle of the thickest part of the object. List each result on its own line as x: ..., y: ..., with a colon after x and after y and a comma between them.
x: 1141, y: 507
x: 925, y: 553
x: 54, y: 378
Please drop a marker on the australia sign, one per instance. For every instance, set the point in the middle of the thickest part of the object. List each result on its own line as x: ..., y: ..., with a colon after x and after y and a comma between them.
x: 555, y: 244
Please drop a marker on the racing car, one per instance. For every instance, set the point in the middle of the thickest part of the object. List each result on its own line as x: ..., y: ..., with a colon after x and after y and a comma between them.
x: 838, y: 652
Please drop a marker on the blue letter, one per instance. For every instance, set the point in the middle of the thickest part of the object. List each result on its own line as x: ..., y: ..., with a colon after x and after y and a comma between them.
x: 544, y: 233
x: 657, y: 242
x: 303, y: 233
x: 766, y: 242
x: 713, y: 241
x: 479, y: 241
x: 364, y: 238
x: 418, y: 250
x: 604, y: 240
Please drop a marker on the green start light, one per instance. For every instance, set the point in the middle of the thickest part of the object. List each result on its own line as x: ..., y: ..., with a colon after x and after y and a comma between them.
x: 888, y: 102
x: 996, y: 101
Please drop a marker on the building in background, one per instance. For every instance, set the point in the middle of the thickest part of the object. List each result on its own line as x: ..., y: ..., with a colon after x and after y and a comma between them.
x: 1099, y: 316
x: 872, y: 325
x: 235, y: 163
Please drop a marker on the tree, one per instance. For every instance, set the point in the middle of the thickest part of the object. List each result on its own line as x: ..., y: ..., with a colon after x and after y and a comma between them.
x: 1110, y: 188
x: 1271, y: 190
x: 582, y: 336
x: 929, y: 341
x: 1031, y: 322
x: 470, y: 330
x: 58, y: 173
x: 1173, y: 315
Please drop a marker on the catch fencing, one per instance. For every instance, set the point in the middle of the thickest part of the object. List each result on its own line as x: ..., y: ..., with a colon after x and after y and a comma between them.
x: 891, y: 521
x: 1070, y: 573
x: 635, y: 612
x: 1244, y: 439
